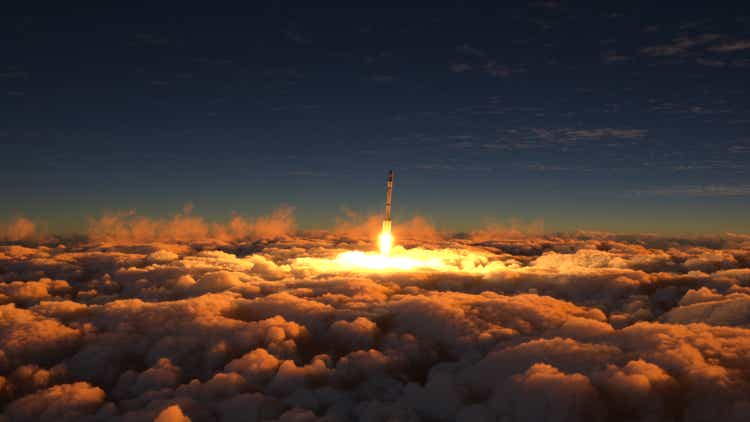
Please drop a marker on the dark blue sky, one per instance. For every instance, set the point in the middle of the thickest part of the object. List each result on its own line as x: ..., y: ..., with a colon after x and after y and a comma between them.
x: 610, y: 117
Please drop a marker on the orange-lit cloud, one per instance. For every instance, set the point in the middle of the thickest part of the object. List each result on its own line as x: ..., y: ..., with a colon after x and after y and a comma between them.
x: 179, y: 318
x: 19, y: 229
x: 127, y: 227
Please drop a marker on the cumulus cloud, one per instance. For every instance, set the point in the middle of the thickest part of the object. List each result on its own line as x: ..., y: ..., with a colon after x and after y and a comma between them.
x: 704, y: 305
x: 180, y: 319
x: 60, y: 402
x: 172, y: 413
x: 19, y: 229
x: 128, y: 227
x: 359, y: 226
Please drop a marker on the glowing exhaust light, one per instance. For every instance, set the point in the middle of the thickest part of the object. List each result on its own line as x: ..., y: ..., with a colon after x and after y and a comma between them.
x: 457, y: 260
x: 385, y: 241
x: 360, y: 261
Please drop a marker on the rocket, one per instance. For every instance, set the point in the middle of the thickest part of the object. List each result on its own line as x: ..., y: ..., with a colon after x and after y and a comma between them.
x: 389, y: 191
x: 385, y: 240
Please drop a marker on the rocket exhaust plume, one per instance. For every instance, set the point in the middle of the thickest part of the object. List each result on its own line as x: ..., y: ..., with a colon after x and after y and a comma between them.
x: 385, y: 240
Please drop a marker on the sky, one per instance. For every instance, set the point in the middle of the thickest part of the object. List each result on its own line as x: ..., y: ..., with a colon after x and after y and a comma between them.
x: 618, y: 117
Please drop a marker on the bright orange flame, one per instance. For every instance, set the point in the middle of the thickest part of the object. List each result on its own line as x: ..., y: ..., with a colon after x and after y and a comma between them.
x: 397, y: 259
x: 364, y: 261
x: 416, y: 259
x: 385, y: 241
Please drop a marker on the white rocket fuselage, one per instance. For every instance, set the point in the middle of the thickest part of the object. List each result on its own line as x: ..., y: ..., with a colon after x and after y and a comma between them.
x: 387, y: 220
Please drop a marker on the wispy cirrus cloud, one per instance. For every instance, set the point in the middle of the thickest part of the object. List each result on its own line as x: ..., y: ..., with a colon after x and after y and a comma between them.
x: 497, y: 70
x: 680, y: 46
x: 707, y: 49
x: 14, y: 74
x: 612, y: 57
x: 460, y: 67
x: 607, y: 132
x: 382, y: 78
x: 475, y: 58
x: 294, y: 33
x: 731, y: 46
x: 717, y: 190
x: 469, y: 50
x: 532, y: 138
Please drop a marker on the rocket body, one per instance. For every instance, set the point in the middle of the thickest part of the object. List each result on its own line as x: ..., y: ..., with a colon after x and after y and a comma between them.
x: 388, y: 195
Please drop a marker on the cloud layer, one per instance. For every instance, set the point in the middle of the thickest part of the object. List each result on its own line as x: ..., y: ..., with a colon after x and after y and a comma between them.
x: 179, y: 320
